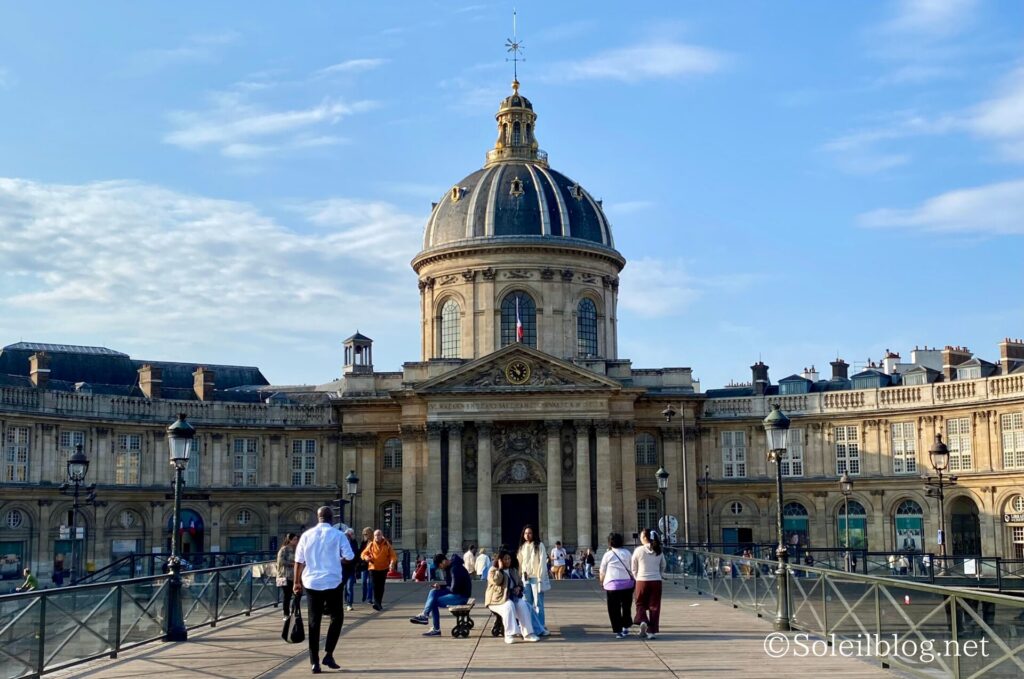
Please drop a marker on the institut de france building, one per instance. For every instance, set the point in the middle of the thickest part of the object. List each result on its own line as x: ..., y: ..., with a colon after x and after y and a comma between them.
x: 520, y: 410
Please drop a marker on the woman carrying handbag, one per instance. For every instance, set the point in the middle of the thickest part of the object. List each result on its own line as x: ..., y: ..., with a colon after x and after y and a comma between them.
x: 618, y: 584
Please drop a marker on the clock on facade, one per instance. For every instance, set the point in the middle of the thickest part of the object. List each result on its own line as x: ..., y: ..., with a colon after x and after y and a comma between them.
x: 517, y: 372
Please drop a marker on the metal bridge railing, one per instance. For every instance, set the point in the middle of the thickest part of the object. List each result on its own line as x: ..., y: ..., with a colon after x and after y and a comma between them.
x: 49, y: 630
x: 936, y: 631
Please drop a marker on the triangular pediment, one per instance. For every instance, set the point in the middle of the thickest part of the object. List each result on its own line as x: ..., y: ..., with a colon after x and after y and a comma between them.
x: 503, y: 371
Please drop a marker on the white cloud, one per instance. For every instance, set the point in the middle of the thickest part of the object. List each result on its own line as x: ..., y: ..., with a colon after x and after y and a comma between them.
x: 1002, y: 117
x: 655, y: 288
x: 240, y: 129
x: 198, y: 48
x: 931, y: 17
x: 993, y: 209
x: 124, y: 259
x: 629, y: 207
x: 351, y: 66
x: 865, y: 151
x: 660, y: 59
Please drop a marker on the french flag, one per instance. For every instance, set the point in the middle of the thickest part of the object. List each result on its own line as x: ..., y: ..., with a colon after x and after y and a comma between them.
x: 519, y: 323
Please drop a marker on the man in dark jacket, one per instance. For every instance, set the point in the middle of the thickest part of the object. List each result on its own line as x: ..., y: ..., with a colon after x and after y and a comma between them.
x: 455, y: 591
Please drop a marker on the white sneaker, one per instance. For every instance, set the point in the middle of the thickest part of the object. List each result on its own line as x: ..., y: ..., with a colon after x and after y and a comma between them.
x: 509, y: 639
x: 348, y: 607
x: 532, y: 637
x: 643, y: 630
x: 651, y: 636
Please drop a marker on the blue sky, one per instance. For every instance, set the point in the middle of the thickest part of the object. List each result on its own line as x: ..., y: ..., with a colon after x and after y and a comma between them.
x: 246, y: 183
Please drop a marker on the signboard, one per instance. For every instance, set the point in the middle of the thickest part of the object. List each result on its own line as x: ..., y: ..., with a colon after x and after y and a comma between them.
x: 1013, y: 518
x: 673, y: 526
x: 970, y: 567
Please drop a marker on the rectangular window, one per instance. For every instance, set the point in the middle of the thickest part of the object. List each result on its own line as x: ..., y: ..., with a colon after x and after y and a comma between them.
x: 66, y: 446
x: 958, y: 439
x: 191, y: 475
x: 734, y: 454
x: 1013, y: 440
x: 847, y: 450
x: 244, y: 465
x: 16, y: 454
x: 793, y: 464
x: 904, y: 448
x: 914, y: 380
x: 972, y: 373
x: 303, y: 462
x: 128, y: 459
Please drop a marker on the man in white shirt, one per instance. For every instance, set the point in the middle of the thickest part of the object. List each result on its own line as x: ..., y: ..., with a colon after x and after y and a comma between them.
x: 483, y: 564
x: 558, y: 557
x: 318, y: 558
x: 469, y: 559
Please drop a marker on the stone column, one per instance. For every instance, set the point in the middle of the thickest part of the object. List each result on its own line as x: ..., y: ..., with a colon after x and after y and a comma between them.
x: 411, y: 436
x: 349, y: 455
x: 432, y: 489
x: 670, y: 438
x: 455, y: 487
x: 628, y: 453
x: 583, y: 485
x: 41, y: 560
x: 484, y: 520
x: 366, y: 501
x: 554, y: 462
x: 604, y: 480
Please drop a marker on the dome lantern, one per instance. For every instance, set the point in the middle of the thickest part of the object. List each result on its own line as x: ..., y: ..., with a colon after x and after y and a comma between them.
x: 516, y: 125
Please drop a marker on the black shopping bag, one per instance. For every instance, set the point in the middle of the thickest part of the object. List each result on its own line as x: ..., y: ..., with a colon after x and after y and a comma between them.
x: 294, y: 632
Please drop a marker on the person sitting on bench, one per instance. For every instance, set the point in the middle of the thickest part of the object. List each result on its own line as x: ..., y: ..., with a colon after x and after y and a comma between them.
x: 454, y: 591
x: 505, y: 599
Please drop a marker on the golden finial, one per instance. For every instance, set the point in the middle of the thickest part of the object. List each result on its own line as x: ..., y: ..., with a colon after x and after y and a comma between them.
x: 515, y: 87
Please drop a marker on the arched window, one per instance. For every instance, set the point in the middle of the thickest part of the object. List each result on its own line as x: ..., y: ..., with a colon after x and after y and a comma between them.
x: 858, y: 526
x: 529, y: 133
x: 647, y: 513
x: 393, y: 453
x: 391, y: 520
x: 450, y: 332
x: 517, y: 136
x: 518, y: 305
x: 586, y: 328
x: 794, y: 523
x: 909, y: 527
x: 646, y: 450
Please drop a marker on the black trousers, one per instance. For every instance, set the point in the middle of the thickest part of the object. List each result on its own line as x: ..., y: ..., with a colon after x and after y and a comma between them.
x: 620, y: 602
x: 319, y: 599
x: 286, y: 597
x: 379, y: 578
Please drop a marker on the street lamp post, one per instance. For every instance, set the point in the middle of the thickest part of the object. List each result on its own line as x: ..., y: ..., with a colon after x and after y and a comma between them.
x: 776, y: 427
x: 352, y: 485
x: 78, y: 466
x: 846, y: 488
x: 669, y: 412
x: 936, y: 487
x: 662, y: 477
x: 179, y: 442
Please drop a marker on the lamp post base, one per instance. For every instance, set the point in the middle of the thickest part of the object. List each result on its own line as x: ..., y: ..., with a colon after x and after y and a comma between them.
x: 782, y: 618
x: 174, y: 620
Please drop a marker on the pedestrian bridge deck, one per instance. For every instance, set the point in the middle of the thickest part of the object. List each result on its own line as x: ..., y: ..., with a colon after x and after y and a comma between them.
x: 700, y: 638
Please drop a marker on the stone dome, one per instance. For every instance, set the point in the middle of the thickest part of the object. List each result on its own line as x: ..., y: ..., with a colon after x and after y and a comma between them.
x: 513, y: 200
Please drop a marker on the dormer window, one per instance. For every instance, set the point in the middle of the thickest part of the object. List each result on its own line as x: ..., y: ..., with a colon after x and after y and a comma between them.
x: 576, y: 191
x: 517, y: 187
x: 969, y: 373
x: 457, y: 193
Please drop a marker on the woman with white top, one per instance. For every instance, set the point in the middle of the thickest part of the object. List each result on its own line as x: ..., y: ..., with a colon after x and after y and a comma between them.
x: 647, y: 564
x: 533, y: 567
x: 618, y: 584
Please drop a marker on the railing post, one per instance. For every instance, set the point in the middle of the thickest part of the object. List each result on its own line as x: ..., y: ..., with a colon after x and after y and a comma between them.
x: 117, y: 623
x: 878, y: 622
x: 999, y: 574
x: 954, y: 610
x: 216, y: 598
x: 249, y: 611
x: 41, y: 660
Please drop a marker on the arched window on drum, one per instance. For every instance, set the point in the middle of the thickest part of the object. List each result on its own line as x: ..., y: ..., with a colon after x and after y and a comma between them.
x: 450, y: 329
x: 586, y: 328
x: 518, y: 310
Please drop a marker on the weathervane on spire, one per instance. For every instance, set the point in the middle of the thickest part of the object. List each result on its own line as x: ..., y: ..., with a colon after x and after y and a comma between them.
x: 515, y: 46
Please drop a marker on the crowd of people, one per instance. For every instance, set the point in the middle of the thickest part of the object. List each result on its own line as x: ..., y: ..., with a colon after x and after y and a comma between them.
x: 325, y: 563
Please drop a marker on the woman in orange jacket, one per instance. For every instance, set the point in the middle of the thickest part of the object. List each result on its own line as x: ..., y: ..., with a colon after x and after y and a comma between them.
x: 380, y: 557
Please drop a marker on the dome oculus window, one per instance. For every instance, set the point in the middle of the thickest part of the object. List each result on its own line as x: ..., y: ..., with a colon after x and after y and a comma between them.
x: 517, y: 187
x: 457, y: 193
x: 576, y: 191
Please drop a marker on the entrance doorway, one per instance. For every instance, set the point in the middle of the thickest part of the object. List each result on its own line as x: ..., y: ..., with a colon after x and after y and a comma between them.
x: 517, y: 510
x: 965, y: 528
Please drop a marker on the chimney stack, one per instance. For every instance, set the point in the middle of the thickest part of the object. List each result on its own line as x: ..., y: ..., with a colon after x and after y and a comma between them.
x: 150, y: 381
x: 1011, y: 354
x: 202, y: 383
x: 39, y: 369
x: 759, y: 377
x: 810, y: 374
x: 840, y: 369
x: 951, y: 358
